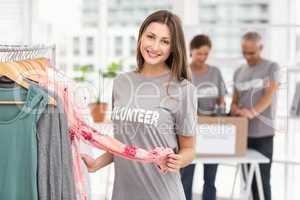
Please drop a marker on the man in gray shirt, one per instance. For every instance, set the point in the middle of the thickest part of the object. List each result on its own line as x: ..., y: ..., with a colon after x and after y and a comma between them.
x: 255, y: 86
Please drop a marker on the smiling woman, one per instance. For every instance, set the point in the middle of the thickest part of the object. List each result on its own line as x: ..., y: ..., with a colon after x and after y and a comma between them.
x: 161, y: 61
x: 161, y: 114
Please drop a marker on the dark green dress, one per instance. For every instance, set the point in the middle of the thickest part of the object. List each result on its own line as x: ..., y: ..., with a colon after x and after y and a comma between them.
x: 18, y: 142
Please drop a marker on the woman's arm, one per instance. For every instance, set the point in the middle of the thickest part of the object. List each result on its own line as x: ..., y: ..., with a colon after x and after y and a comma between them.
x: 94, y: 165
x: 221, y: 101
x: 79, y: 129
x: 185, y: 155
x: 234, y: 109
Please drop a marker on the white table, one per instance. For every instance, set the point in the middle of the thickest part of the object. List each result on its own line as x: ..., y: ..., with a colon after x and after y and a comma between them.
x: 253, y: 158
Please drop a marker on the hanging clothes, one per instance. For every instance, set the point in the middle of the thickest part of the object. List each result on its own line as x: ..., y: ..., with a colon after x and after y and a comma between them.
x: 55, y: 172
x: 55, y: 180
x: 18, y: 144
x: 80, y: 131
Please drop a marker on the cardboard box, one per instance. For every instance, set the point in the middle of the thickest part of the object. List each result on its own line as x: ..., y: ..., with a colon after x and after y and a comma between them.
x: 221, y: 136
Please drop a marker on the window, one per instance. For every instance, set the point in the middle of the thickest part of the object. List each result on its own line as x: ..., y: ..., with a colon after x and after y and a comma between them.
x: 76, y: 46
x: 132, y: 43
x: 118, y: 46
x: 90, y: 46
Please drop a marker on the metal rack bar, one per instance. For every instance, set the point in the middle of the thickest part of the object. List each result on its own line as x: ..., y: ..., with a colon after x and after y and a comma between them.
x: 23, y: 52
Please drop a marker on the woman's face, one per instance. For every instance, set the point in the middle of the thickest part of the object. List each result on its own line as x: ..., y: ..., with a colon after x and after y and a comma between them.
x: 199, y: 55
x: 155, y: 44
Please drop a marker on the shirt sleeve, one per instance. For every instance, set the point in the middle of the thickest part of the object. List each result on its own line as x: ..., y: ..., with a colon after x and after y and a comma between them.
x: 274, y: 73
x: 234, y: 79
x: 186, y: 116
x: 221, y: 85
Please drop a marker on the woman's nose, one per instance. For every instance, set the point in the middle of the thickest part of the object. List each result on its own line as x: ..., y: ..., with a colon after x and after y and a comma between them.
x: 156, y: 45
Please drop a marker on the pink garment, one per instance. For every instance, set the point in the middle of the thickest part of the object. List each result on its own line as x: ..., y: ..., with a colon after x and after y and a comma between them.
x: 79, y: 130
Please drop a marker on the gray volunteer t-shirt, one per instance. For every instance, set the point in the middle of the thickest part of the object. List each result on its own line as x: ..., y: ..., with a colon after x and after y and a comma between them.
x: 148, y: 115
x: 251, y: 82
x: 210, y: 86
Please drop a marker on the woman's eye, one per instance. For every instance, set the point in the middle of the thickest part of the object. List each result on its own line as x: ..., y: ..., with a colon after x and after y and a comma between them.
x: 166, y: 42
x: 150, y: 36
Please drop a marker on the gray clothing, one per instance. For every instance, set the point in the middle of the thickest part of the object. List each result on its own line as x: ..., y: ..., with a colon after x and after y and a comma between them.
x: 250, y: 82
x: 149, y: 113
x: 210, y: 86
x: 55, y: 167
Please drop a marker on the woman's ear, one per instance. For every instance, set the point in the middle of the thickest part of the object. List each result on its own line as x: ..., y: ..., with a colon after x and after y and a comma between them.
x: 261, y: 47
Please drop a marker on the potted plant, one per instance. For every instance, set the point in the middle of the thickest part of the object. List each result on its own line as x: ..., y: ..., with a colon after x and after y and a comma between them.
x: 83, y: 70
x: 99, y: 108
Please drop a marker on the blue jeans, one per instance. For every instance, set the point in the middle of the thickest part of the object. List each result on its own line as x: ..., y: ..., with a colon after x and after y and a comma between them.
x: 209, y: 189
x: 187, y: 176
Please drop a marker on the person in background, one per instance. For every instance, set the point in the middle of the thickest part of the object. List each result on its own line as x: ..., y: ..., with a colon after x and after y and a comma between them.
x: 154, y: 106
x: 210, y: 92
x: 255, y: 87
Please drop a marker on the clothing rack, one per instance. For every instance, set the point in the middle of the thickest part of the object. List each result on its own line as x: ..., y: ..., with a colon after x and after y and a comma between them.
x: 22, y: 52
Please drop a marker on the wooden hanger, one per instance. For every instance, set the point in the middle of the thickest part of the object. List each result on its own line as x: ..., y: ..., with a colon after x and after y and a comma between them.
x: 35, y: 65
x: 44, y: 63
x: 23, y: 68
x: 13, y: 72
x: 34, y: 73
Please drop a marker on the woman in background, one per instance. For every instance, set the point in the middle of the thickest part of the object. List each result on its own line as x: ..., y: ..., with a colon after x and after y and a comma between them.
x: 210, y: 93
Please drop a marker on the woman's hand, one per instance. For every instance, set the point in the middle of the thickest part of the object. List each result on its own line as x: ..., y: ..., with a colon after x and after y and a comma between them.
x: 89, y: 162
x: 174, y: 162
x: 185, y: 155
x: 236, y: 111
x: 247, y: 113
x: 94, y: 165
